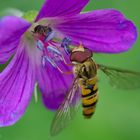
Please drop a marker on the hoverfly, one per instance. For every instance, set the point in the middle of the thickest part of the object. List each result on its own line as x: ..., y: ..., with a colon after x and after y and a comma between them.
x: 85, y: 71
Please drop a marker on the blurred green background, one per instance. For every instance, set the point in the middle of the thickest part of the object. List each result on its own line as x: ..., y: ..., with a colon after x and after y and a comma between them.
x: 118, y: 112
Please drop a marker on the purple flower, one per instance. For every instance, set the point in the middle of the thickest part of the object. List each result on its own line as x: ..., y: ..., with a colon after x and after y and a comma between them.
x: 103, y: 31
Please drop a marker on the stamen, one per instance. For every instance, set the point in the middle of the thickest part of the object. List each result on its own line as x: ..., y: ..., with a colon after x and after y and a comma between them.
x: 50, y: 36
x: 65, y: 44
x: 57, y: 53
x: 66, y: 72
x: 54, y: 50
x: 67, y: 50
x: 40, y: 45
x: 51, y: 50
x: 63, y: 58
x: 45, y: 59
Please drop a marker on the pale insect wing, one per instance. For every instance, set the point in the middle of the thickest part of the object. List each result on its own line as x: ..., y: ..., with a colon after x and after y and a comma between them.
x: 120, y: 78
x: 67, y: 110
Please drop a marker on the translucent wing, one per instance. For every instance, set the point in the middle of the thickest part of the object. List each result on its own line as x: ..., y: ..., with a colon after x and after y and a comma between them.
x: 67, y: 109
x: 120, y: 78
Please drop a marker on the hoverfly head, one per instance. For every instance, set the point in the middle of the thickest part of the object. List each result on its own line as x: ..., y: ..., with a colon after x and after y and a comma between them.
x: 80, y: 54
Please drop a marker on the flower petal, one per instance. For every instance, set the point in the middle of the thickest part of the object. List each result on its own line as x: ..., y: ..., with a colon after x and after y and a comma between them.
x: 105, y: 31
x: 53, y: 8
x: 11, y: 29
x: 16, y: 87
x: 53, y: 84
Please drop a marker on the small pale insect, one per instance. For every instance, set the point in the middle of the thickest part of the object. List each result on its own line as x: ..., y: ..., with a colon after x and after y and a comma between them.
x: 42, y: 30
x: 85, y: 82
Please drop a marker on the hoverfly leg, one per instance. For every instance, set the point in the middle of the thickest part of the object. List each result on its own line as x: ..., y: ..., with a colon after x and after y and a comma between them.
x: 68, y: 72
x: 64, y: 72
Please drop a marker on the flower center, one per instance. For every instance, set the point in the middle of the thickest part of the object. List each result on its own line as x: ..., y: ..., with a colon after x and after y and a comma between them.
x: 52, y: 48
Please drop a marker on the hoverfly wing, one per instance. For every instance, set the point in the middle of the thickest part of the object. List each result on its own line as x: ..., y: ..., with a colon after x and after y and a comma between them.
x: 67, y: 109
x: 119, y: 78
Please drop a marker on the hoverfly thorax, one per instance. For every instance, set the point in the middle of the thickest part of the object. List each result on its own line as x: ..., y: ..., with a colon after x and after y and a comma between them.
x: 84, y: 66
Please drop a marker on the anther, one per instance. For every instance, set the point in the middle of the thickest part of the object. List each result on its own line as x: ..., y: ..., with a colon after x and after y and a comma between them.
x: 50, y: 36
x: 40, y: 45
x: 54, y: 50
x: 47, y: 59
x: 65, y: 44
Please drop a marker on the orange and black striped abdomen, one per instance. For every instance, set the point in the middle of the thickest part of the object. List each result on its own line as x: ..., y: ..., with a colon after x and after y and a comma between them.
x: 89, y: 97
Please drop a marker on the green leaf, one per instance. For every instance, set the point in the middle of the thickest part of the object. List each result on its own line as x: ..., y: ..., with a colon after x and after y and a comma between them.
x: 30, y: 15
